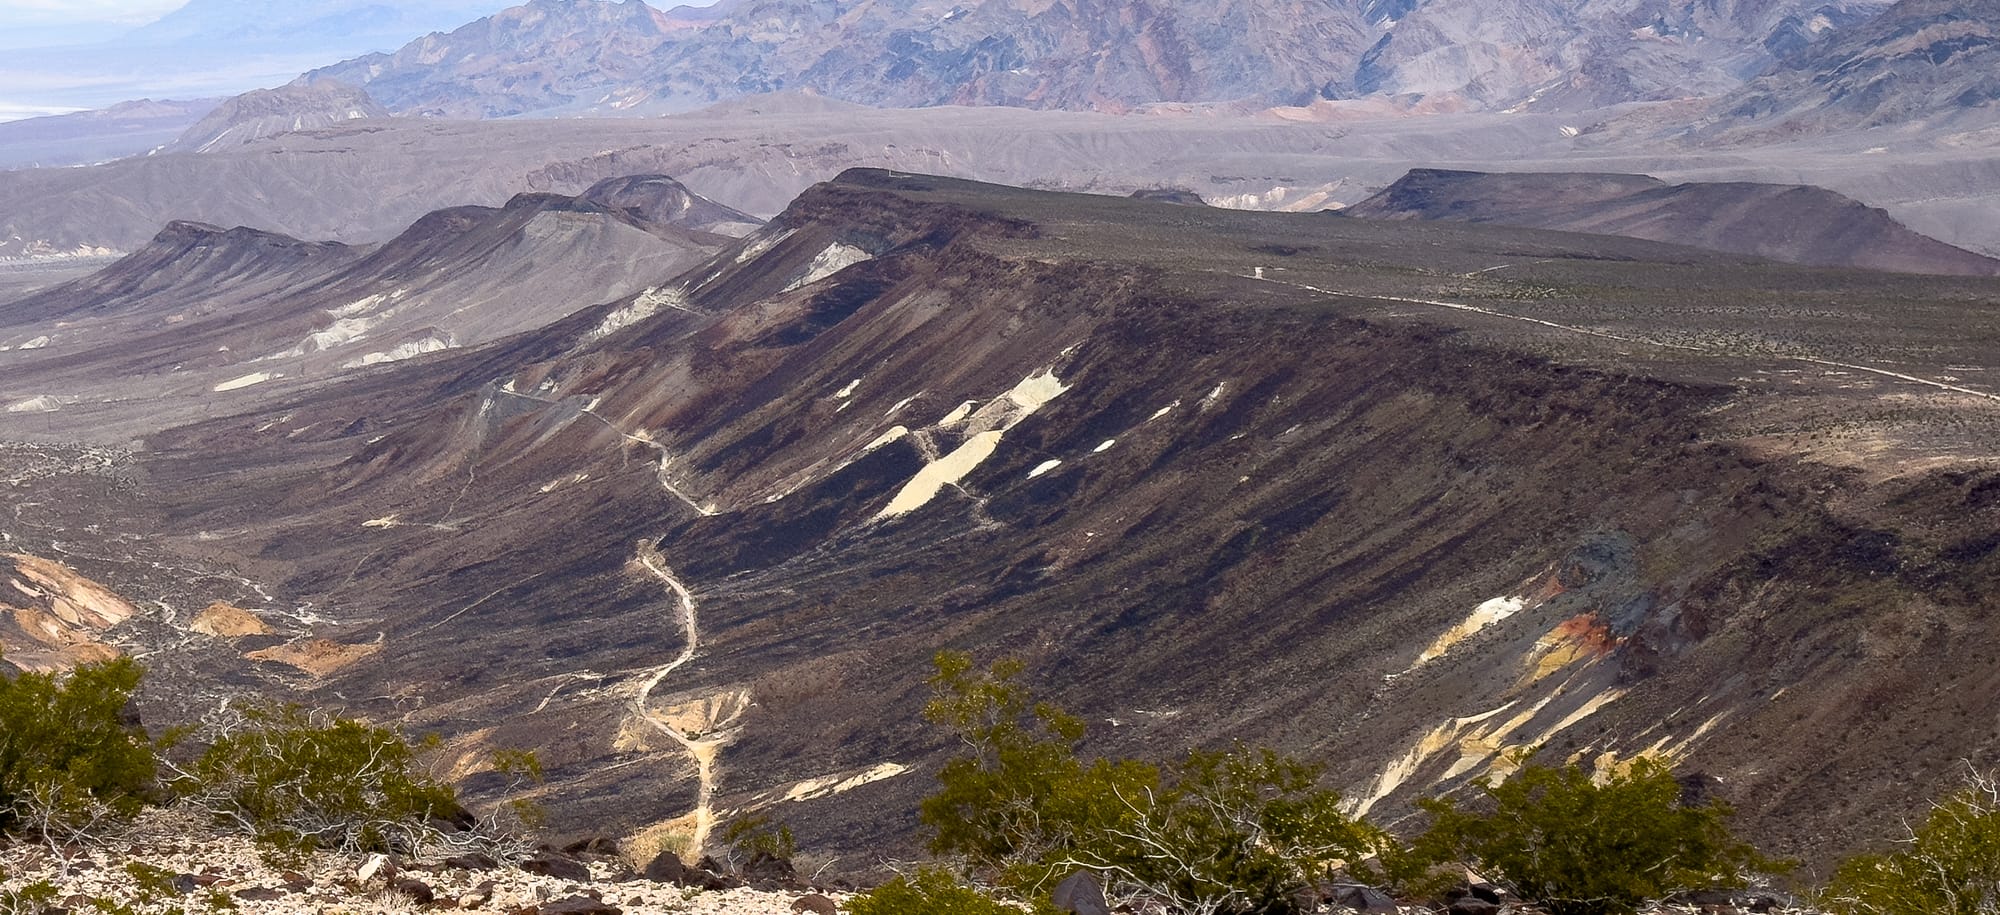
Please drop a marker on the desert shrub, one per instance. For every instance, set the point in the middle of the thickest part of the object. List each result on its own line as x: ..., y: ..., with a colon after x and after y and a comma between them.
x: 1235, y: 832
x: 33, y: 898
x: 754, y: 836
x: 929, y: 891
x: 1018, y: 802
x: 1581, y: 846
x: 299, y: 780
x: 1950, y: 864
x: 68, y: 759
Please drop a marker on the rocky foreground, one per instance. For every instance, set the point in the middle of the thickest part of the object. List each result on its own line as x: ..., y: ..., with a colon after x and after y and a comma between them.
x: 169, y: 863
x: 165, y: 863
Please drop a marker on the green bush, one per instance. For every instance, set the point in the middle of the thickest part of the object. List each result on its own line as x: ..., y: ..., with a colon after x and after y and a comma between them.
x: 1018, y: 800
x: 1579, y: 846
x: 931, y: 891
x: 67, y: 759
x: 1237, y: 832
x: 1951, y: 865
x: 754, y: 836
x: 300, y: 780
x: 34, y: 898
x: 1234, y: 832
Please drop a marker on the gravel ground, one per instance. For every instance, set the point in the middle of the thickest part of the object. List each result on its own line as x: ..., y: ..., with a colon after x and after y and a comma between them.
x: 226, y: 874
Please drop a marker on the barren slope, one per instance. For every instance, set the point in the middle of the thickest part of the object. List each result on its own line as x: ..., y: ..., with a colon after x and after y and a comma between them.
x: 1386, y: 505
x: 201, y: 314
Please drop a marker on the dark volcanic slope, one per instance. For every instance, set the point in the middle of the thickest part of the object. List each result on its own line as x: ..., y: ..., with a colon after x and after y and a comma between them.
x: 201, y: 316
x: 1796, y: 223
x: 1384, y: 506
x: 188, y: 270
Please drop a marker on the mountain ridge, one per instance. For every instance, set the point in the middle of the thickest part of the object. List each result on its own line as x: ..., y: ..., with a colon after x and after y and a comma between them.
x: 1108, y: 55
x: 1793, y: 223
x: 1330, y: 482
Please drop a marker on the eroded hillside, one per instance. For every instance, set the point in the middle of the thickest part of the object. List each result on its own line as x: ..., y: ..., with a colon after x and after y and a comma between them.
x: 1404, y: 497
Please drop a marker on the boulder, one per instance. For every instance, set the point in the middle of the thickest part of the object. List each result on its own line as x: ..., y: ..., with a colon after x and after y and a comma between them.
x: 415, y: 890
x: 472, y: 862
x: 261, y: 894
x: 768, y: 872
x: 377, y: 865
x: 1472, y: 905
x: 1363, y: 898
x: 1081, y: 894
x: 477, y: 897
x: 579, y: 905
x: 595, y: 845
x: 816, y: 904
x: 666, y: 867
x: 551, y: 865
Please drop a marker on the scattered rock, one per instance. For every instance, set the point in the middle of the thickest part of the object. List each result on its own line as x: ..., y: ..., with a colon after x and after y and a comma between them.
x: 417, y: 890
x: 475, y: 861
x: 816, y: 904
x: 1473, y: 905
x: 579, y: 905
x: 1364, y: 899
x: 186, y: 883
x: 1081, y: 894
x: 478, y: 897
x: 666, y: 868
x: 549, y: 865
x: 595, y: 845
x: 376, y: 866
x: 767, y: 872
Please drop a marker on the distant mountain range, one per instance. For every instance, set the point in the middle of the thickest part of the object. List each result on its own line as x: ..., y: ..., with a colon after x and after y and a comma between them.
x: 591, y: 56
x: 1921, y: 59
x: 214, y: 48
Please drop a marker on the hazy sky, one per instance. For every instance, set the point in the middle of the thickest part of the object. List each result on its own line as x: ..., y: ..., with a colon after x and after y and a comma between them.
x: 78, y: 12
x: 55, y: 57
x: 139, y: 12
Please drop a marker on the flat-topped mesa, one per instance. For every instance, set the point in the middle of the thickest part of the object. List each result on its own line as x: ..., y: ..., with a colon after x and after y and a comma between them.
x: 264, y: 113
x: 1795, y: 223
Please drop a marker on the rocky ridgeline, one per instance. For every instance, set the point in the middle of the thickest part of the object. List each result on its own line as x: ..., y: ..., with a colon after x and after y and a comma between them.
x: 164, y: 862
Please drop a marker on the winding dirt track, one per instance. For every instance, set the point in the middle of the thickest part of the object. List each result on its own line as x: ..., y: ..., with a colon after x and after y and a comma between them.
x: 704, y: 752
x: 639, y: 438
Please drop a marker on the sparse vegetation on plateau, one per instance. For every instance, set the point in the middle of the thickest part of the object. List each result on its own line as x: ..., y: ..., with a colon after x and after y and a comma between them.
x: 1949, y: 865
